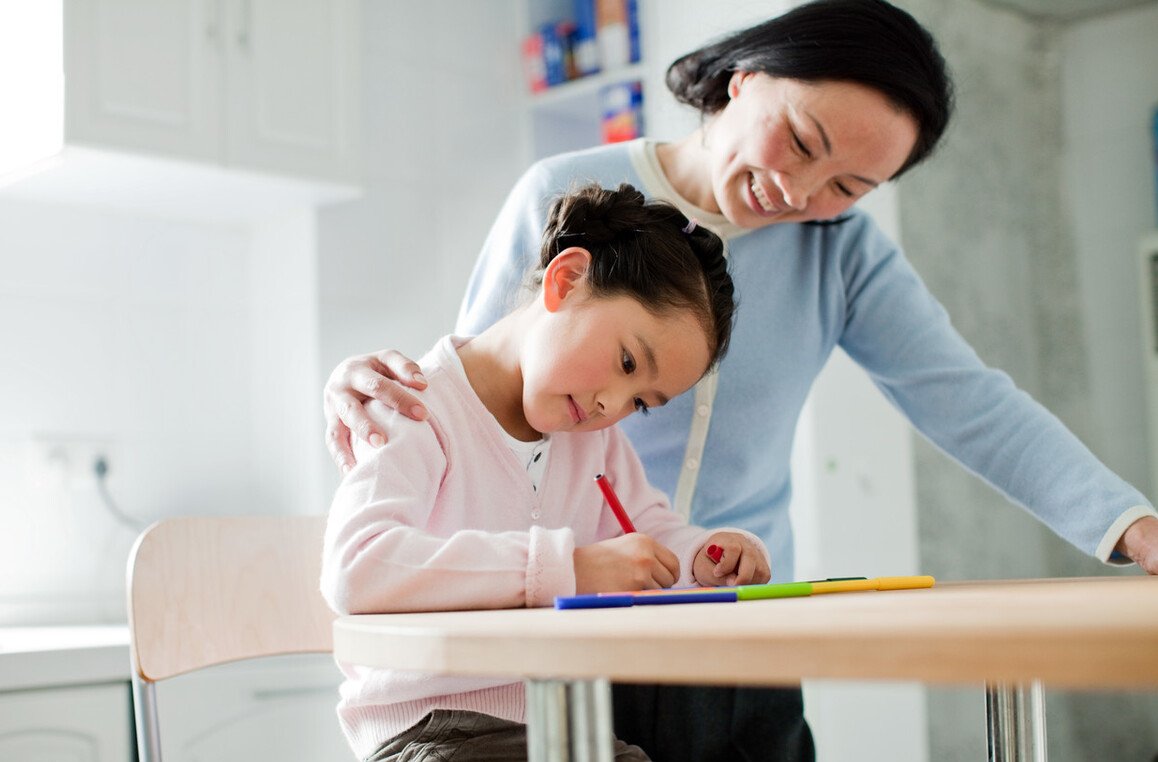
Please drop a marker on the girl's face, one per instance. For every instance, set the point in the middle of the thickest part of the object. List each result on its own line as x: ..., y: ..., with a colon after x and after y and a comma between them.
x: 784, y: 150
x: 589, y: 362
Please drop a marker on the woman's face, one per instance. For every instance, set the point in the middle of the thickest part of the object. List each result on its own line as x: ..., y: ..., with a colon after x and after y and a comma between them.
x: 784, y: 150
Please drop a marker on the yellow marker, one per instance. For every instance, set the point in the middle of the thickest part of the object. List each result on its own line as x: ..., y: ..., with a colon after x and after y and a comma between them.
x: 875, y: 583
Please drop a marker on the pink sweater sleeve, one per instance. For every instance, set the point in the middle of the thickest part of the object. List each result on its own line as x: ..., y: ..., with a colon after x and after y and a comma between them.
x: 379, y: 557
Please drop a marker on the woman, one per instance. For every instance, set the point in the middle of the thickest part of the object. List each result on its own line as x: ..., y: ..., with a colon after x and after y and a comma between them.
x: 802, y: 115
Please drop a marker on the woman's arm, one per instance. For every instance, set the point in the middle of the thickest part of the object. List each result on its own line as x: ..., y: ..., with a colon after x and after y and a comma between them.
x: 902, y: 336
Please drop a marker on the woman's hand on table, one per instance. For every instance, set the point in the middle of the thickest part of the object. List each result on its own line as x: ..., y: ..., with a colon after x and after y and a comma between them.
x: 1140, y: 543
x: 734, y: 560
x: 383, y: 376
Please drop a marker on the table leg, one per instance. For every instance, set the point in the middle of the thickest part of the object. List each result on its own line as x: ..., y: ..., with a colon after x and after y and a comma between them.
x: 569, y: 721
x: 591, y: 725
x: 1016, y: 722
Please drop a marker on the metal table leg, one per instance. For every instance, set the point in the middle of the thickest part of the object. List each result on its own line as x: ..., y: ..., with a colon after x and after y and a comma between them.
x: 569, y: 721
x: 1016, y: 722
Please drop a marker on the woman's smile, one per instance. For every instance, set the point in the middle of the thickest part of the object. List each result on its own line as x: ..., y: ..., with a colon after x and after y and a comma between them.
x: 760, y: 201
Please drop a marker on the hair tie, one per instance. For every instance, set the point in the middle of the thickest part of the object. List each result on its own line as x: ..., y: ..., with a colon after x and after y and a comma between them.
x: 690, y: 226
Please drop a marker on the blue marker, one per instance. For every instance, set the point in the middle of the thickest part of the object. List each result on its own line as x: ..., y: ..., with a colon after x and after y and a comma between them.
x: 650, y: 598
x: 724, y: 595
x: 593, y: 601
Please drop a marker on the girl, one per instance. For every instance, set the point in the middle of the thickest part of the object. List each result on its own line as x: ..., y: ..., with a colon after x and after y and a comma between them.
x: 490, y: 502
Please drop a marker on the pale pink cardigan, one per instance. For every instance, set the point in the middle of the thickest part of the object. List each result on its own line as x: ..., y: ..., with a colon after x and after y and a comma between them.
x: 444, y: 517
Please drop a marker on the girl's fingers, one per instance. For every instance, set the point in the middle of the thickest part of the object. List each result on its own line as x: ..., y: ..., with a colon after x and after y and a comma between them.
x: 665, y: 567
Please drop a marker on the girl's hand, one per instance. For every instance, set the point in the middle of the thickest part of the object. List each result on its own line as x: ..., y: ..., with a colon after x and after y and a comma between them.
x: 631, y: 562
x: 741, y: 562
x: 381, y: 376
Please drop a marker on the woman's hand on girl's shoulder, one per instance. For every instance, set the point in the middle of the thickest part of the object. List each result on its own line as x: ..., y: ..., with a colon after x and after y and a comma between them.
x: 383, y: 376
x: 731, y: 558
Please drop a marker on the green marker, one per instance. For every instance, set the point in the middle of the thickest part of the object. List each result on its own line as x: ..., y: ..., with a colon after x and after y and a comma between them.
x: 773, y: 590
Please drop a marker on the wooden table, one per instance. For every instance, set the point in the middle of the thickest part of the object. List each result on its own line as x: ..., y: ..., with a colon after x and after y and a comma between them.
x: 1012, y: 636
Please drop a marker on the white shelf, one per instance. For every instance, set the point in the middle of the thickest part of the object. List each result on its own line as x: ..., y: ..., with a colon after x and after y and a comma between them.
x: 585, y: 87
x: 161, y: 186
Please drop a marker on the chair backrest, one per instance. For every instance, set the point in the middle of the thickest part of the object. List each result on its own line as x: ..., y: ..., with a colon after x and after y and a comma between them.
x: 208, y: 590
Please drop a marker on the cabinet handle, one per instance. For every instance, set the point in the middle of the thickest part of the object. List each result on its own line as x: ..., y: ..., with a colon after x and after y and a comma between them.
x: 244, y: 25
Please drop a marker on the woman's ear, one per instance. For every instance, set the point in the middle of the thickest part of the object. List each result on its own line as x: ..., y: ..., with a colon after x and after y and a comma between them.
x: 565, y: 276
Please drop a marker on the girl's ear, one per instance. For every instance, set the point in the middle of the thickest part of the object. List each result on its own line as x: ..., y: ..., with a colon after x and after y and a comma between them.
x: 737, y: 79
x: 565, y: 276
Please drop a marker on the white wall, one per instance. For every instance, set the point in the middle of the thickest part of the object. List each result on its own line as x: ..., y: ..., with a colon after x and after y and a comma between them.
x: 130, y: 334
x: 194, y: 353
x: 444, y: 142
x: 1109, y: 91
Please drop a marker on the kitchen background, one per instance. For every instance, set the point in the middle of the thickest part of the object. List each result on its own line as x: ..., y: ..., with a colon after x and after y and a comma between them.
x: 173, y: 309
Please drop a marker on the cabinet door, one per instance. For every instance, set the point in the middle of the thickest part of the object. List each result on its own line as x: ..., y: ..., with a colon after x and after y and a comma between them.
x: 144, y: 75
x: 81, y: 724
x: 292, y: 84
x: 274, y: 708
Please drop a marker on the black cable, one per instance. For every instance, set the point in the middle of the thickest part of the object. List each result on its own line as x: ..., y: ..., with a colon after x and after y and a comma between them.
x: 101, y: 469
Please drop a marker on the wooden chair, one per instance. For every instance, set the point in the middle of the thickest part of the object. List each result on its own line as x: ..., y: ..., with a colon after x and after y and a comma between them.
x: 205, y: 591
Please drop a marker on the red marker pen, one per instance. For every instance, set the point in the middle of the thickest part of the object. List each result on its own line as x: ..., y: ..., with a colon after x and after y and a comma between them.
x: 616, y: 506
x: 715, y: 552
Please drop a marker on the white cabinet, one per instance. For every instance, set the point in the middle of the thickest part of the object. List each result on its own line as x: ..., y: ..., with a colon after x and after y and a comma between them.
x: 273, y: 708
x: 267, y: 85
x: 79, y: 724
x: 65, y: 697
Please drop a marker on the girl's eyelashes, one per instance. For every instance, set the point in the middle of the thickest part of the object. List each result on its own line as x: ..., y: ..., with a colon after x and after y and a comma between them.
x: 629, y: 367
x: 843, y: 189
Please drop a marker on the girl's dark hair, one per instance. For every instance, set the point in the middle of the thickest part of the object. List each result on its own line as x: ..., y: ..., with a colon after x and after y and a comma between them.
x: 639, y: 249
x: 868, y: 42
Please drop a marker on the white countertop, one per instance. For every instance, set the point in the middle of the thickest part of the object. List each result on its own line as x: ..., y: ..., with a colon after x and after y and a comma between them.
x: 42, y: 657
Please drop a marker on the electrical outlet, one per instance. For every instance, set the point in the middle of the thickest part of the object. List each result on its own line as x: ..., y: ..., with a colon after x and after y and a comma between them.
x: 61, y: 461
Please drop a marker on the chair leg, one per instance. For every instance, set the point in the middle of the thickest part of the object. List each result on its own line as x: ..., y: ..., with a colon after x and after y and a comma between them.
x: 145, y: 714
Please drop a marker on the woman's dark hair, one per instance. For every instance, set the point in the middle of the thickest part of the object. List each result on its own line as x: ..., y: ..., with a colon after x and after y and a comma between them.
x: 869, y: 42
x: 639, y: 248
